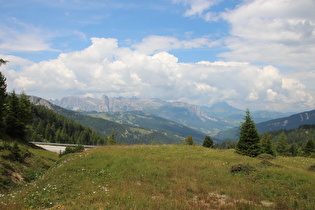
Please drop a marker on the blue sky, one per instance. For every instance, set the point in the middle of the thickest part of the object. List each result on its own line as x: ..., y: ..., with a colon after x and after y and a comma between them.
x: 249, y: 53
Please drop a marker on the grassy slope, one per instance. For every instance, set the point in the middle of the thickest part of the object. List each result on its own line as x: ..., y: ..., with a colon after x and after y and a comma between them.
x: 167, y: 177
x: 34, y: 162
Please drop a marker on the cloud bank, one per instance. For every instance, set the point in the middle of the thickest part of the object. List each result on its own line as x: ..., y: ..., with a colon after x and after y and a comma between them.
x: 106, y: 68
x: 267, y: 59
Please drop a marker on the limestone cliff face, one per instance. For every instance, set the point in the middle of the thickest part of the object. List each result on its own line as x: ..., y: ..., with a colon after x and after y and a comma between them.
x: 107, y: 104
x: 39, y: 101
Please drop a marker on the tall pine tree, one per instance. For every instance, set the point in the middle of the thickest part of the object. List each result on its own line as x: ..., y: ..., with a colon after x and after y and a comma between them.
x: 3, y: 96
x: 14, y: 126
x: 111, y: 139
x: 282, y: 144
x: 249, y: 142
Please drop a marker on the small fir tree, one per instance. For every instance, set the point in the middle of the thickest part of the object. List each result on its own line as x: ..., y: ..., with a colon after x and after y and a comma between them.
x: 309, y: 147
x: 266, y: 145
x: 15, y: 152
x: 188, y: 140
x: 208, y: 142
x: 111, y: 139
x: 249, y: 142
x: 282, y: 144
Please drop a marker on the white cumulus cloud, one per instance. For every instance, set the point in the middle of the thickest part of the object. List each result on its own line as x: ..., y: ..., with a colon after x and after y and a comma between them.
x: 106, y: 68
x: 278, y: 32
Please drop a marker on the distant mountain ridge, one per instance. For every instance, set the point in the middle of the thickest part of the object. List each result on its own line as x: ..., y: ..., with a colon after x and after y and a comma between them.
x: 150, y: 121
x: 209, y: 120
x: 183, y: 113
x: 293, y: 121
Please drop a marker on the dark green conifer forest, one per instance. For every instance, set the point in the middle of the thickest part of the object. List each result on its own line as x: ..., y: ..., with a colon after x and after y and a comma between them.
x: 52, y: 127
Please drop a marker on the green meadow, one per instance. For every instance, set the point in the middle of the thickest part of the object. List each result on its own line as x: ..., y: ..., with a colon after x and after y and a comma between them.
x: 167, y: 177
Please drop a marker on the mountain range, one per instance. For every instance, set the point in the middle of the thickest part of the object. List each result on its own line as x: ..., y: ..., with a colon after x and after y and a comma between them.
x: 170, y: 120
x: 150, y: 129
x: 209, y: 120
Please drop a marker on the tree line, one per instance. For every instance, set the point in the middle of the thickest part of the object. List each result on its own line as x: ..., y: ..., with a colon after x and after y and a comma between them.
x: 52, y: 127
x: 275, y: 143
x: 293, y: 142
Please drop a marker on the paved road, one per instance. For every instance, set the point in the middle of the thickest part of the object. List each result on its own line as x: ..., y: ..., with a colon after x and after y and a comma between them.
x: 53, y: 148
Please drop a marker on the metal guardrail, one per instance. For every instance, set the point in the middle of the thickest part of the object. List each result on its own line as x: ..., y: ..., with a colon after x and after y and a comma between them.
x: 62, y: 144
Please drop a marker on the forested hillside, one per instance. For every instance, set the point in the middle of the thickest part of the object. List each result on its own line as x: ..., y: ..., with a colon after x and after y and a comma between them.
x: 295, y: 142
x: 150, y: 121
x: 52, y: 127
x: 123, y: 133
x: 284, y: 123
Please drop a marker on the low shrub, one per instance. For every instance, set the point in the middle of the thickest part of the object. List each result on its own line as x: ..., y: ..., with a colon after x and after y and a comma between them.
x: 75, y: 149
x: 312, y: 168
x: 266, y: 163
x: 242, y: 168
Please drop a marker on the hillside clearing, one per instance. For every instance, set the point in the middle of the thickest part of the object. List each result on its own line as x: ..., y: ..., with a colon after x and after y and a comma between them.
x: 167, y: 177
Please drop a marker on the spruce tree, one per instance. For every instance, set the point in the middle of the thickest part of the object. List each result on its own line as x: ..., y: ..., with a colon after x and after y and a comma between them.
x: 3, y: 96
x: 266, y: 145
x: 208, y: 142
x: 14, y: 126
x: 249, y: 143
x: 309, y: 147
